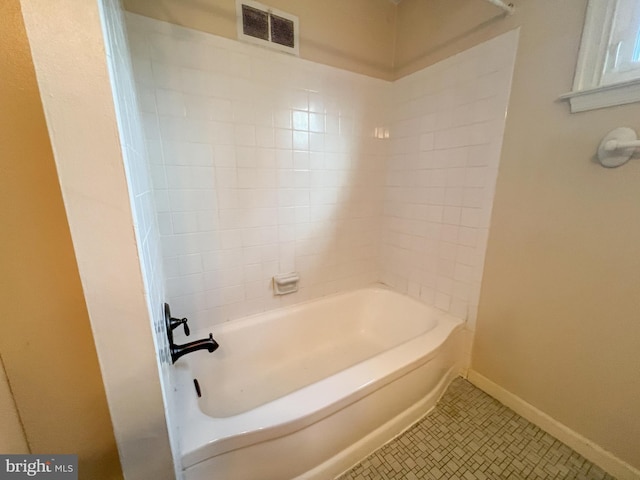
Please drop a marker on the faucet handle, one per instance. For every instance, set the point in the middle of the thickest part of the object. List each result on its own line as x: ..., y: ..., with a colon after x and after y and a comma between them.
x: 176, y: 322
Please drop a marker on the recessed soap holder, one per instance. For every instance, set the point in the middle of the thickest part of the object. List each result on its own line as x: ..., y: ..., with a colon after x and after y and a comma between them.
x: 285, y: 283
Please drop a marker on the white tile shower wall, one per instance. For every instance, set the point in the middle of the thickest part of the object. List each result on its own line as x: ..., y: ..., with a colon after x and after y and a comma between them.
x: 262, y: 164
x: 446, y: 135
x: 141, y: 193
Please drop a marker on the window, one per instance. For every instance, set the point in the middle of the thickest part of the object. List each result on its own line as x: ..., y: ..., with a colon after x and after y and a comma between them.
x: 622, y: 62
x: 608, y: 70
x: 265, y: 26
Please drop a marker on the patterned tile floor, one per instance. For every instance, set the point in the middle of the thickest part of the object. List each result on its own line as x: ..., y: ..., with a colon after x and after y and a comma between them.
x: 471, y: 436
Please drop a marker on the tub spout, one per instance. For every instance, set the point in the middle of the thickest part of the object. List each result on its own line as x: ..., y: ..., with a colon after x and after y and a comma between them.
x: 203, y: 344
x: 179, y: 350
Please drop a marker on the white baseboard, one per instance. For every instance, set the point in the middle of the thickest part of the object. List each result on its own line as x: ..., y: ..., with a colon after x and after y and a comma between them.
x: 592, y: 452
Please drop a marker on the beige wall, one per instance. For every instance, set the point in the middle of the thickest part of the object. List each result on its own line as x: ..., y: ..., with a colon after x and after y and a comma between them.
x: 68, y: 51
x: 431, y: 30
x: 46, y: 342
x: 12, y: 439
x: 355, y: 35
x: 559, y: 317
x: 559, y: 313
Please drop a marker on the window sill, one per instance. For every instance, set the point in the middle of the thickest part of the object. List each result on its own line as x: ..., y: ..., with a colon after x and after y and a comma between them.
x: 604, y: 96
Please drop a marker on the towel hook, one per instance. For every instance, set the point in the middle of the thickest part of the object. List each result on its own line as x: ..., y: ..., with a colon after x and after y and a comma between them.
x: 617, y: 147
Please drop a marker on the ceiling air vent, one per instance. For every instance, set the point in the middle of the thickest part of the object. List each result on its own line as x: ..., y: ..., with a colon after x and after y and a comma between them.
x: 267, y: 26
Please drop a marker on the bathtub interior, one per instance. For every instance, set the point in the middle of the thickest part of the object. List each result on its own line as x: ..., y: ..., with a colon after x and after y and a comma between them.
x: 265, y: 357
x: 335, y: 421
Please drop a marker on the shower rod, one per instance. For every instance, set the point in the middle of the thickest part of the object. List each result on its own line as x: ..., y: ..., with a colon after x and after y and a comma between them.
x: 507, y: 8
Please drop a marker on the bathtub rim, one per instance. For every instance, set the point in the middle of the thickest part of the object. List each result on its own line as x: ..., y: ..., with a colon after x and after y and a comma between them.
x: 248, y: 320
x: 203, y: 437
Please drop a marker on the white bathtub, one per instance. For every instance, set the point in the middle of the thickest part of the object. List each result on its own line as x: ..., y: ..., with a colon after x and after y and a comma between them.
x: 307, y: 391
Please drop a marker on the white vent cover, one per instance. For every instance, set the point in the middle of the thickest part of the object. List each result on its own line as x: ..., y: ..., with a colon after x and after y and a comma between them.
x: 266, y: 26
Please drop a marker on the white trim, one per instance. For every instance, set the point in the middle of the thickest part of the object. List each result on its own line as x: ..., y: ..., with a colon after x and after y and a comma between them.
x: 585, y: 447
x: 267, y: 43
x: 588, y: 91
x: 604, y: 96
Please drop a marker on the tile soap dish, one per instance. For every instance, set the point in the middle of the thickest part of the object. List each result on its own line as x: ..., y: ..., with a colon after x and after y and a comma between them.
x: 285, y: 283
